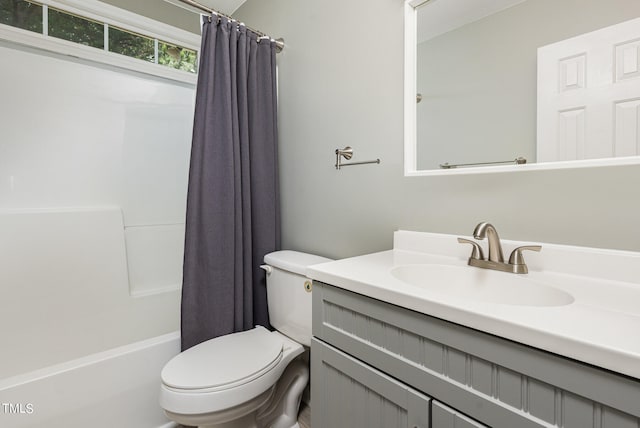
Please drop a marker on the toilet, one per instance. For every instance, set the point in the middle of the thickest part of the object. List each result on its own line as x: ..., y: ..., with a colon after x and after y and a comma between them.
x: 255, y: 378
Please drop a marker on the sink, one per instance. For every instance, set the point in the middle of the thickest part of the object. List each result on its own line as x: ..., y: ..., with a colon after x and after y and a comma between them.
x: 482, y: 285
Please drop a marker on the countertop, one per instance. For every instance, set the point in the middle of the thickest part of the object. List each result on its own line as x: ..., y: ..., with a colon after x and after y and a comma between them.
x: 600, y: 327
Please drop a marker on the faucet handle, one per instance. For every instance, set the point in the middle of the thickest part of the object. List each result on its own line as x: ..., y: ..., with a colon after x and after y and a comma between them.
x: 516, y: 256
x: 476, y: 253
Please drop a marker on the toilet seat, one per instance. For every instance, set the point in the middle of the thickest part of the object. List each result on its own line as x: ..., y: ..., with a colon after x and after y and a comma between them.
x: 224, y: 362
x: 226, y: 371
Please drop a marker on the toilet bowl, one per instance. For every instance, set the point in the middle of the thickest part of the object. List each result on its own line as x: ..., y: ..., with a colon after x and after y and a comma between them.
x: 250, y: 379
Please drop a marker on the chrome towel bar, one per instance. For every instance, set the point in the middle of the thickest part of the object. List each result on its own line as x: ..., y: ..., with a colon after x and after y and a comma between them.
x: 347, y: 153
x: 517, y: 161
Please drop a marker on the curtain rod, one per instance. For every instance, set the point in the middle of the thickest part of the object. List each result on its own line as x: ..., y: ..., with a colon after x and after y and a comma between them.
x: 279, y: 42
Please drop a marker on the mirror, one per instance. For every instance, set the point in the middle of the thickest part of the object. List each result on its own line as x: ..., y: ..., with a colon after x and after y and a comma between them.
x: 555, y: 82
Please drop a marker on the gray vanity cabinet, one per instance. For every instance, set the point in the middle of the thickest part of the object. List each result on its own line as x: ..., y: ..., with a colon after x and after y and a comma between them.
x: 445, y: 417
x: 374, y: 364
x: 355, y: 395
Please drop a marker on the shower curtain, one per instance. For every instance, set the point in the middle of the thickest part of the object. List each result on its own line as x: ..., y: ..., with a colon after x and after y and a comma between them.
x: 233, y: 217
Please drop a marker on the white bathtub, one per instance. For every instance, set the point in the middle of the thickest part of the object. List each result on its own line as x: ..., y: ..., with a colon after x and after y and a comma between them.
x: 114, y: 388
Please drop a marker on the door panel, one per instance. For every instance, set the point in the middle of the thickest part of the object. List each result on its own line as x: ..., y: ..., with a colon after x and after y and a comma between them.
x: 588, y: 95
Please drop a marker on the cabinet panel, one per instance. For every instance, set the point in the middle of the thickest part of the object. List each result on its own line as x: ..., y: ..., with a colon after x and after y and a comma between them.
x: 445, y: 417
x: 498, y: 382
x: 347, y: 393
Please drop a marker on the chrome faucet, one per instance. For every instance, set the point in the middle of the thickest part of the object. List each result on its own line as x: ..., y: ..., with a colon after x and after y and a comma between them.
x: 487, y: 230
x: 495, y: 261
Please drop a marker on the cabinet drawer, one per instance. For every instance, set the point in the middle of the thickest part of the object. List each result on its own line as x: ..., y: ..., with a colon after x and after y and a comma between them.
x: 445, y: 417
x: 347, y: 393
x: 498, y: 382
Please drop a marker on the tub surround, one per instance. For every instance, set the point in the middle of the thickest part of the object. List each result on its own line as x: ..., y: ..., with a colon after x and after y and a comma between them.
x: 66, y: 289
x: 598, y: 327
x: 117, y: 387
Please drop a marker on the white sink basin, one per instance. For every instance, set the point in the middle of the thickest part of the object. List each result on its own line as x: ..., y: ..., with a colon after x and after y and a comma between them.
x: 578, y: 302
x: 483, y: 285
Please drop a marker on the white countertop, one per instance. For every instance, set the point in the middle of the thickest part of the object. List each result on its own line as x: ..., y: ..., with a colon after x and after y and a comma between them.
x: 600, y: 327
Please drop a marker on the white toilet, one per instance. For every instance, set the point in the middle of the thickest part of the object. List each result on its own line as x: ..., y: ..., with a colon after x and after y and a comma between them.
x: 250, y: 379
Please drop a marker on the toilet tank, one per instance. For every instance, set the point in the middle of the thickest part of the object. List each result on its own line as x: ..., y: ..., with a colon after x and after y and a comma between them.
x: 289, y: 293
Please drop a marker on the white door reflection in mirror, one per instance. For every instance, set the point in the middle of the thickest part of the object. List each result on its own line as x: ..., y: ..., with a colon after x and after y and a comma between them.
x: 589, y: 94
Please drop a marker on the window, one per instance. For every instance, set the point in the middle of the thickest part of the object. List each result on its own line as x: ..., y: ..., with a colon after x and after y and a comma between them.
x: 66, y: 26
x: 21, y: 14
x: 130, y: 44
x: 61, y: 21
x: 177, y: 57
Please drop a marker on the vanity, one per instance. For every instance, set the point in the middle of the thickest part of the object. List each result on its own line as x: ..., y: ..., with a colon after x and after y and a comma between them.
x: 414, y: 337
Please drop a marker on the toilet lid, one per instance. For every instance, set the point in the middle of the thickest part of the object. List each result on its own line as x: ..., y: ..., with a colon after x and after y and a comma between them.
x: 224, y: 362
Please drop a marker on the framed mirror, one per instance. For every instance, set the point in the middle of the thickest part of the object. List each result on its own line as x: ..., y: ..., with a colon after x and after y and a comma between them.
x: 510, y: 85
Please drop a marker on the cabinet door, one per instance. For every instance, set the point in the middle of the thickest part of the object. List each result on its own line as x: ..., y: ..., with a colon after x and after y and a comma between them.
x: 444, y: 417
x: 348, y: 393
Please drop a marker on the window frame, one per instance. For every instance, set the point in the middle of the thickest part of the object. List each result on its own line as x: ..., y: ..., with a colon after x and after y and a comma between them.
x: 116, y: 17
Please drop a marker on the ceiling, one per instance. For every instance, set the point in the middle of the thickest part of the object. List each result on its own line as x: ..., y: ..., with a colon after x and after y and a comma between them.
x: 440, y: 16
x: 225, y: 6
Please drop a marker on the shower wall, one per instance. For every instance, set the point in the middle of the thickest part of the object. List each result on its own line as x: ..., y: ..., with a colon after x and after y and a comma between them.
x: 93, y: 176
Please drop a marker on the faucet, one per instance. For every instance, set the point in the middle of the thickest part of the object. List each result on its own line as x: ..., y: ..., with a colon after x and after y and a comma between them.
x: 495, y: 260
x: 487, y: 230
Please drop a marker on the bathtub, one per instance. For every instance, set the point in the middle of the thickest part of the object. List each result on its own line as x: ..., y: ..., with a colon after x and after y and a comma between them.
x: 115, y: 388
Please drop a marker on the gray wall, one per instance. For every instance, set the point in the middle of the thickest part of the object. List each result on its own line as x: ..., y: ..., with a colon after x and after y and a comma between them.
x: 341, y: 84
x: 486, y: 73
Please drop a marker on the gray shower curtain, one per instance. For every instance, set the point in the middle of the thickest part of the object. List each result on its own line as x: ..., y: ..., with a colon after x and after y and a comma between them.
x: 233, y: 217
